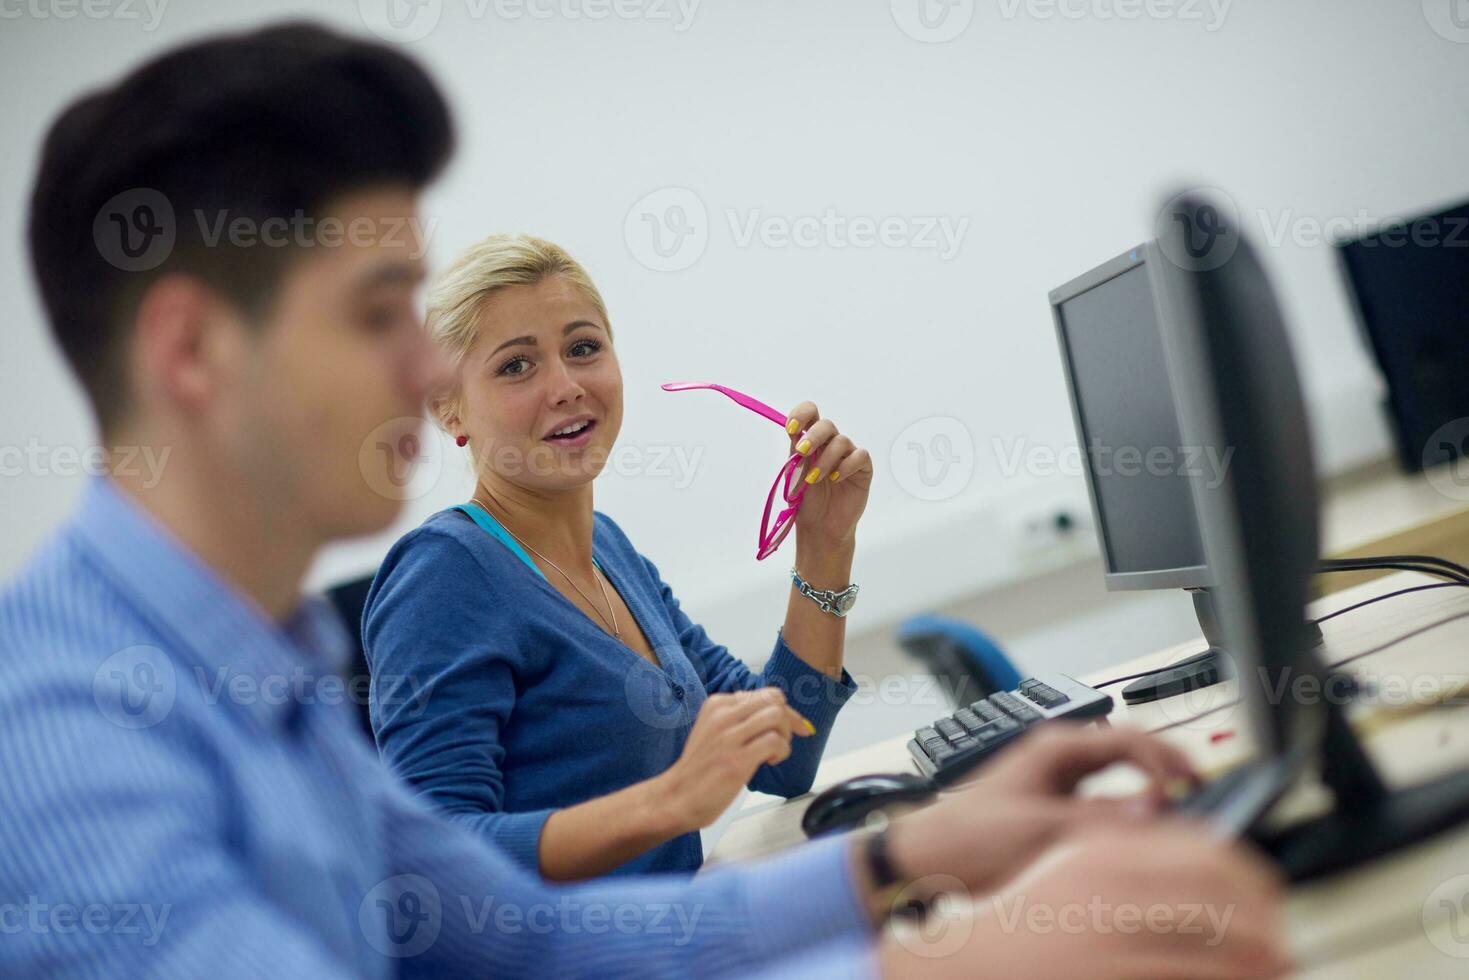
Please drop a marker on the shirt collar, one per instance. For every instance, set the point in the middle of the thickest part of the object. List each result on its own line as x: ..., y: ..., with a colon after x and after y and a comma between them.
x: 215, y: 625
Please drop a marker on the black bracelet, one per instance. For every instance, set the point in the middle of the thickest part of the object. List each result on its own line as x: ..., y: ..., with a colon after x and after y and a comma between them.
x: 879, y: 865
x: 887, y: 879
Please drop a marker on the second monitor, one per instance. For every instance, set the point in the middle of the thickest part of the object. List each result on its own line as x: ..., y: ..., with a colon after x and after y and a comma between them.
x: 1109, y: 324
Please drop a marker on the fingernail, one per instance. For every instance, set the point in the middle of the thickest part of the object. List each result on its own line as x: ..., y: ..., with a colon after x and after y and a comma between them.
x: 803, y: 447
x: 836, y: 475
x: 810, y: 728
x: 792, y: 426
x: 814, y: 475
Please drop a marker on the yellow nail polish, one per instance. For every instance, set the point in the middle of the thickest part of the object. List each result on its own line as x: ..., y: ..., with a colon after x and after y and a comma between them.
x: 814, y: 475
x: 810, y: 728
x: 836, y: 475
x: 803, y: 447
x: 792, y: 426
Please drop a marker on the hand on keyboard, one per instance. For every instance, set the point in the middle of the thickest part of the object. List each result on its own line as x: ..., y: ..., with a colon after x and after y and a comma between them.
x: 995, y: 825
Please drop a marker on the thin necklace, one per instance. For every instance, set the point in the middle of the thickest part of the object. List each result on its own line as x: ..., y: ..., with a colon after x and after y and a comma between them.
x: 615, y: 631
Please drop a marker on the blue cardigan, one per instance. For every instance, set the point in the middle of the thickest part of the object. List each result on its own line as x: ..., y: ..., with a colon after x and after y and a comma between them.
x: 502, y: 701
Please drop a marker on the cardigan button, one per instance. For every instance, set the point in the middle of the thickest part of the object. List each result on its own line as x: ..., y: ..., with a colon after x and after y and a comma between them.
x: 678, y: 692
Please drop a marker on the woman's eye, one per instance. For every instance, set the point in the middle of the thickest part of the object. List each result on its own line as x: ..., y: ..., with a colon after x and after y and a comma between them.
x: 516, y: 365
x: 585, y: 348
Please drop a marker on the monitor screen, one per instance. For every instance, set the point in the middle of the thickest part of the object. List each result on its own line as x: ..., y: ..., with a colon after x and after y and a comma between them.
x: 1129, y: 428
x: 1411, y: 282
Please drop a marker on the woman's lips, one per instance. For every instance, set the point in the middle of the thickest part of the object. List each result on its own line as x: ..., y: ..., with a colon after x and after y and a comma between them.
x: 573, y: 442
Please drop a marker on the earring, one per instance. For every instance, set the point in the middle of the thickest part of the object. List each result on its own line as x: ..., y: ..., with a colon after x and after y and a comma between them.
x: 461, y: 440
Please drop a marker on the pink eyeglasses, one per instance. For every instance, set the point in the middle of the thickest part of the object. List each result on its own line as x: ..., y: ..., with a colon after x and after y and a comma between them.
x: 770, y: 535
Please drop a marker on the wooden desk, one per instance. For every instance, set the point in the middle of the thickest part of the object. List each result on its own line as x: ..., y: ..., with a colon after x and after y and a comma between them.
x: 1375, y: 921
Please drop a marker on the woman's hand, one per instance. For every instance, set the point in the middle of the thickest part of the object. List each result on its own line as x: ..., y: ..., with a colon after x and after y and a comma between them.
x: 733, y: 736
x: 839, y: 474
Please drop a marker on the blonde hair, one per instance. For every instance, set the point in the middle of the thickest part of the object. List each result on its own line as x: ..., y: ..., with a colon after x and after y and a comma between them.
x: 497, y: 262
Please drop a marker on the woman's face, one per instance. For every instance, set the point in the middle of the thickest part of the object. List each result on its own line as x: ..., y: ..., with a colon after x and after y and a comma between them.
x: 542, y: 362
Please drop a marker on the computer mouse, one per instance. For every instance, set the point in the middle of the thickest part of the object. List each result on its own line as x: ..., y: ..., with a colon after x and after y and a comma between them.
x: 845, y: 805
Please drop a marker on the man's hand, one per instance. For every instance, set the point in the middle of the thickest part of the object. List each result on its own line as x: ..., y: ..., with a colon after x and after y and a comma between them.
x: 994, y: 825
x: 1158, y: 903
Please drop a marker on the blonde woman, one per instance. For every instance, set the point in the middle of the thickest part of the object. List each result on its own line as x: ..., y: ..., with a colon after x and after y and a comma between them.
x: 575, y: 715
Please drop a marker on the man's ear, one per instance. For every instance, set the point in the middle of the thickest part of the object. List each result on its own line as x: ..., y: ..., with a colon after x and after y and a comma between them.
x: 183, y: 350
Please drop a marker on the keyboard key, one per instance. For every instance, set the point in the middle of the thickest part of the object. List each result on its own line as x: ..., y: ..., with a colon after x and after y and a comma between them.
x: 950, y: 729
x: 969, y: 720
x: 925, y: 735
x: 986, y: 710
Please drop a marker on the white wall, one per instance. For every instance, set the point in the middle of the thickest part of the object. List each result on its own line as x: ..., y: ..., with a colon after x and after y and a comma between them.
x: 1052, y: 140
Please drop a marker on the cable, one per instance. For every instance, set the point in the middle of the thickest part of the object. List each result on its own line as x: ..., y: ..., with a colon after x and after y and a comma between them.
x: 1394, y: 642
x: 1348, y: 565
x: 1201, y: 714
x: 1463, y: 572
x: 1332, y: 666
x: 1329, y: 565
x: 1389, y: 595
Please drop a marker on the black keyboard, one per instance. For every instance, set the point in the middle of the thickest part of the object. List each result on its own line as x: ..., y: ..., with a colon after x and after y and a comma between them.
x: 952, y: 746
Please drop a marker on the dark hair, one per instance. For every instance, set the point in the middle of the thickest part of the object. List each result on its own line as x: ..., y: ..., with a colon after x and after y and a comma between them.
x: 274, y: 123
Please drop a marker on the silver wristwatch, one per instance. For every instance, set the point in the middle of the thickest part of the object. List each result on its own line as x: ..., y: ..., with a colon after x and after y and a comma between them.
x: 836, y: 603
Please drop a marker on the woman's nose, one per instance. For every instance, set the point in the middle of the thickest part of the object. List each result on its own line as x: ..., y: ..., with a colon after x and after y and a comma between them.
x: 561, y: 386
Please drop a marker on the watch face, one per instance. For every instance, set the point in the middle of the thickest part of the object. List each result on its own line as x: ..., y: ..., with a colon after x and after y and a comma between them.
x: 846, y: 602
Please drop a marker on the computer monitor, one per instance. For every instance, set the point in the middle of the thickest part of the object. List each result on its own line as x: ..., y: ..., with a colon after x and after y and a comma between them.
x: 1410, y: 280
x: 1109, y: 327
x: 1229, y: 357
x: 1108, y: 324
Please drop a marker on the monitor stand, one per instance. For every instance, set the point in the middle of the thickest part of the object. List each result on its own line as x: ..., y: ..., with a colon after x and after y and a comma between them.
x: 1367, y: 820
x: 1203, y: 669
